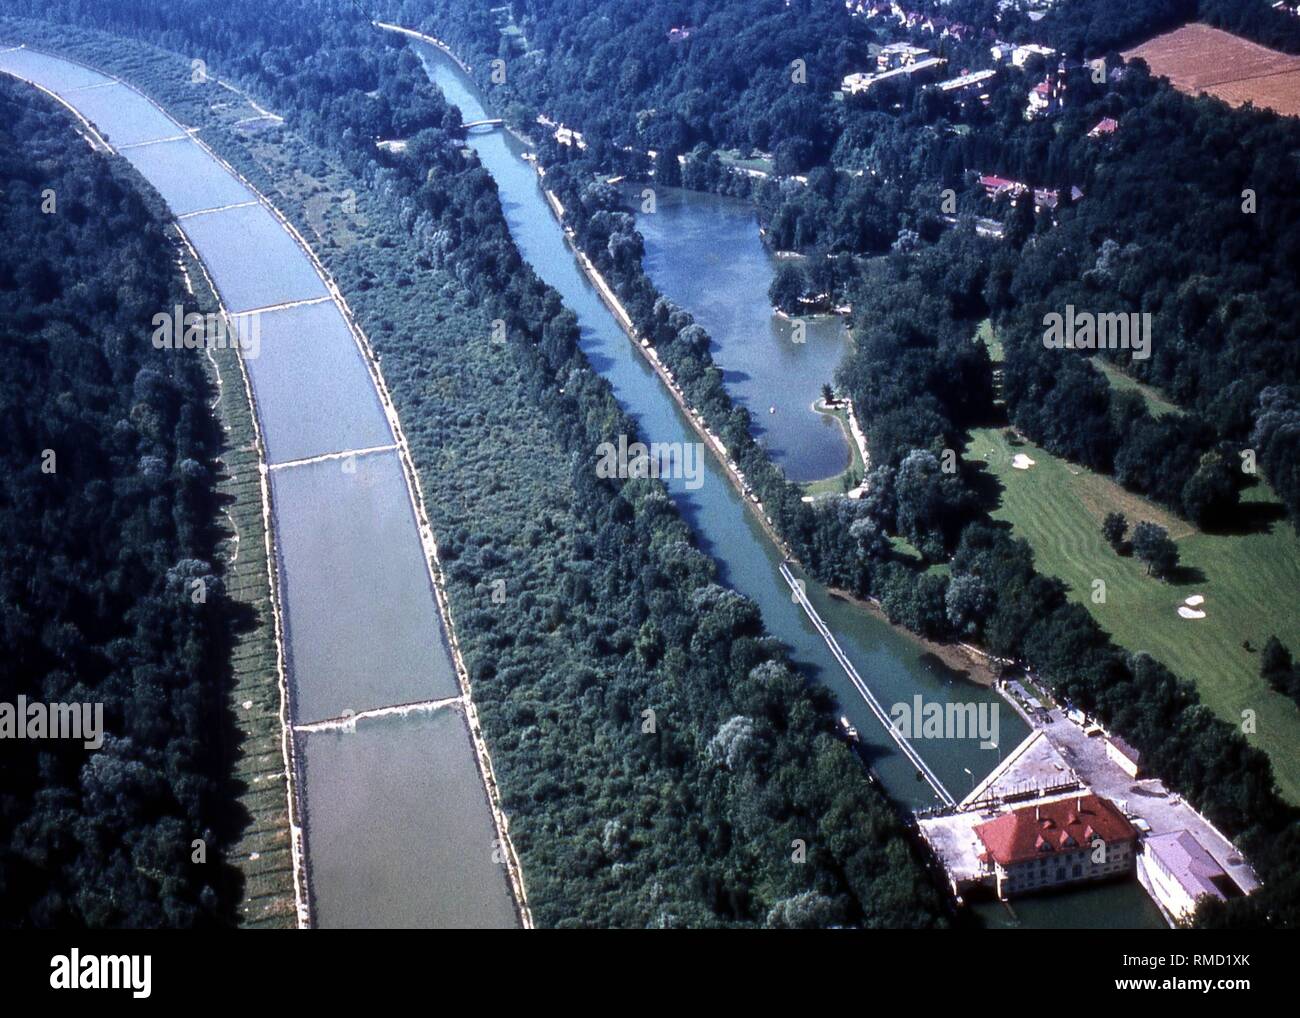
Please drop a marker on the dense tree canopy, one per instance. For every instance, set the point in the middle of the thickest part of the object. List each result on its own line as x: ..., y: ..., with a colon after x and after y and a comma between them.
x: 106, y: 494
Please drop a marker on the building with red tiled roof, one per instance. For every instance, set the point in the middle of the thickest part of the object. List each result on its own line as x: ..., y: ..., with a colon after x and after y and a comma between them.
x: 1060, y: 841
x: 1106, y: 125
x: 995, y: 186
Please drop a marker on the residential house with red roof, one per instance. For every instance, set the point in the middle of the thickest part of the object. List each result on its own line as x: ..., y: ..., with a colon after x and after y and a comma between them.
x: 1106, y: 125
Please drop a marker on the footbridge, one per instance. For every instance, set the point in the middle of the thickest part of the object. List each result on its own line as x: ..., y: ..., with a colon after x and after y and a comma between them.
x: 909, y: 751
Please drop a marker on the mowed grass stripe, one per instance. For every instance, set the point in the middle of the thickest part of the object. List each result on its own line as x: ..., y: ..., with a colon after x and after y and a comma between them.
x: 263, y: 852
x: 1249, y: 583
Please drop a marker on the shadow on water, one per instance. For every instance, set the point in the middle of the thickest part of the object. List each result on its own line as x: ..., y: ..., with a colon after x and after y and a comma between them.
x: 945, y: 671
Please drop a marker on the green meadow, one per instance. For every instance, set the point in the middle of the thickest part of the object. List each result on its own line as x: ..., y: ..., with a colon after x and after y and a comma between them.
x: 1249, y: 582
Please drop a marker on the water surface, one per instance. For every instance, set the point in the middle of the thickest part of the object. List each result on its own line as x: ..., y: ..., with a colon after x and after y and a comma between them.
x: 703, y: 251
x: 187, y: 177
x: 361, y: 623
x: 121, y: 117
x: 393, y: 808
x: 314, y: 392
x: 252, y: 260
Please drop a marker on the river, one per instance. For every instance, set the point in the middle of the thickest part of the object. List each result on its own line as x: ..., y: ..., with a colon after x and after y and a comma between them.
x: 398, y: 830
x: 895, y: 666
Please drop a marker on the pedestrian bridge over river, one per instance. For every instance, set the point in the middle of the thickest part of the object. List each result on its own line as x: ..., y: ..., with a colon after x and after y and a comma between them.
x: 909, y: 751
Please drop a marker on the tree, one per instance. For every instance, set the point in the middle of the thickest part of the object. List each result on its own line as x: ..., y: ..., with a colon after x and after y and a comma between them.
x: 787, y: 287
x: 1114, y: 527
x: 1210, y: 495
x: 968, y: 603
x: 1153, y: 545
x: 1277, y: 668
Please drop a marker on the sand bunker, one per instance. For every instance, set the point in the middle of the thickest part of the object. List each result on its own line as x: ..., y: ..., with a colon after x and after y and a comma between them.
x: 1190, y: 613
x: 1022, y: 462
x: 1195, y: 601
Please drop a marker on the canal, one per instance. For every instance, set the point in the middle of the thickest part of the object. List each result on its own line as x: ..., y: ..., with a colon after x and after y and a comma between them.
x: 895, y: 666
x: 398, y: 830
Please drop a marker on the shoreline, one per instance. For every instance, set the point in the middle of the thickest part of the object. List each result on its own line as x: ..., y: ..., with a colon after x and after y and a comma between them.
x: 854, y: 439
x: 413, y: 34
x: 973, y: 663
x: 288, y: 743
x: 610, y: 299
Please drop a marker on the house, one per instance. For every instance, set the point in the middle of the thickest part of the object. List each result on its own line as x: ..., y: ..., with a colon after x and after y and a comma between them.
x: 1045, y: 98
x: 967, y: 83
x: 1128, y: 759
x: 1179, y: 872
x: 898, y: 54
x: 855, y: 83
x: 564, y: 135
x: 1021, y: 54
x: 861, y: 82
x: 995, y: 187
x: 1056, y: 842
x: 1049, y: 199
x: 679, y: 34
x: 1106, y: 125
x: 1001, y: 52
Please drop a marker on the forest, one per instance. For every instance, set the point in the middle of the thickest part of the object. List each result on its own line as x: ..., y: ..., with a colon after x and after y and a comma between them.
x: 108, y: 589
x: 611, y: 608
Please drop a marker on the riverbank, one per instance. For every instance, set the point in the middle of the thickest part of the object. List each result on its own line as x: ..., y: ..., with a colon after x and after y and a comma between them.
x: 284, y: 708
x: 410, y: 33
x: 859, y: 458
x: 973, y: 664
x: 647, y: 352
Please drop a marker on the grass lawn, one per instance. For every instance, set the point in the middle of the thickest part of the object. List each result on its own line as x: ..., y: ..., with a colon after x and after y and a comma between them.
x: 732, y: 157
x: 989, y: 337
x: 1249, y: 583
x: 1157, y: 405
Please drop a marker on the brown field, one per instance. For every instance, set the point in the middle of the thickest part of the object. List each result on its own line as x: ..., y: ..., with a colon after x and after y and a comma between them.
x: 1198, y: 58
